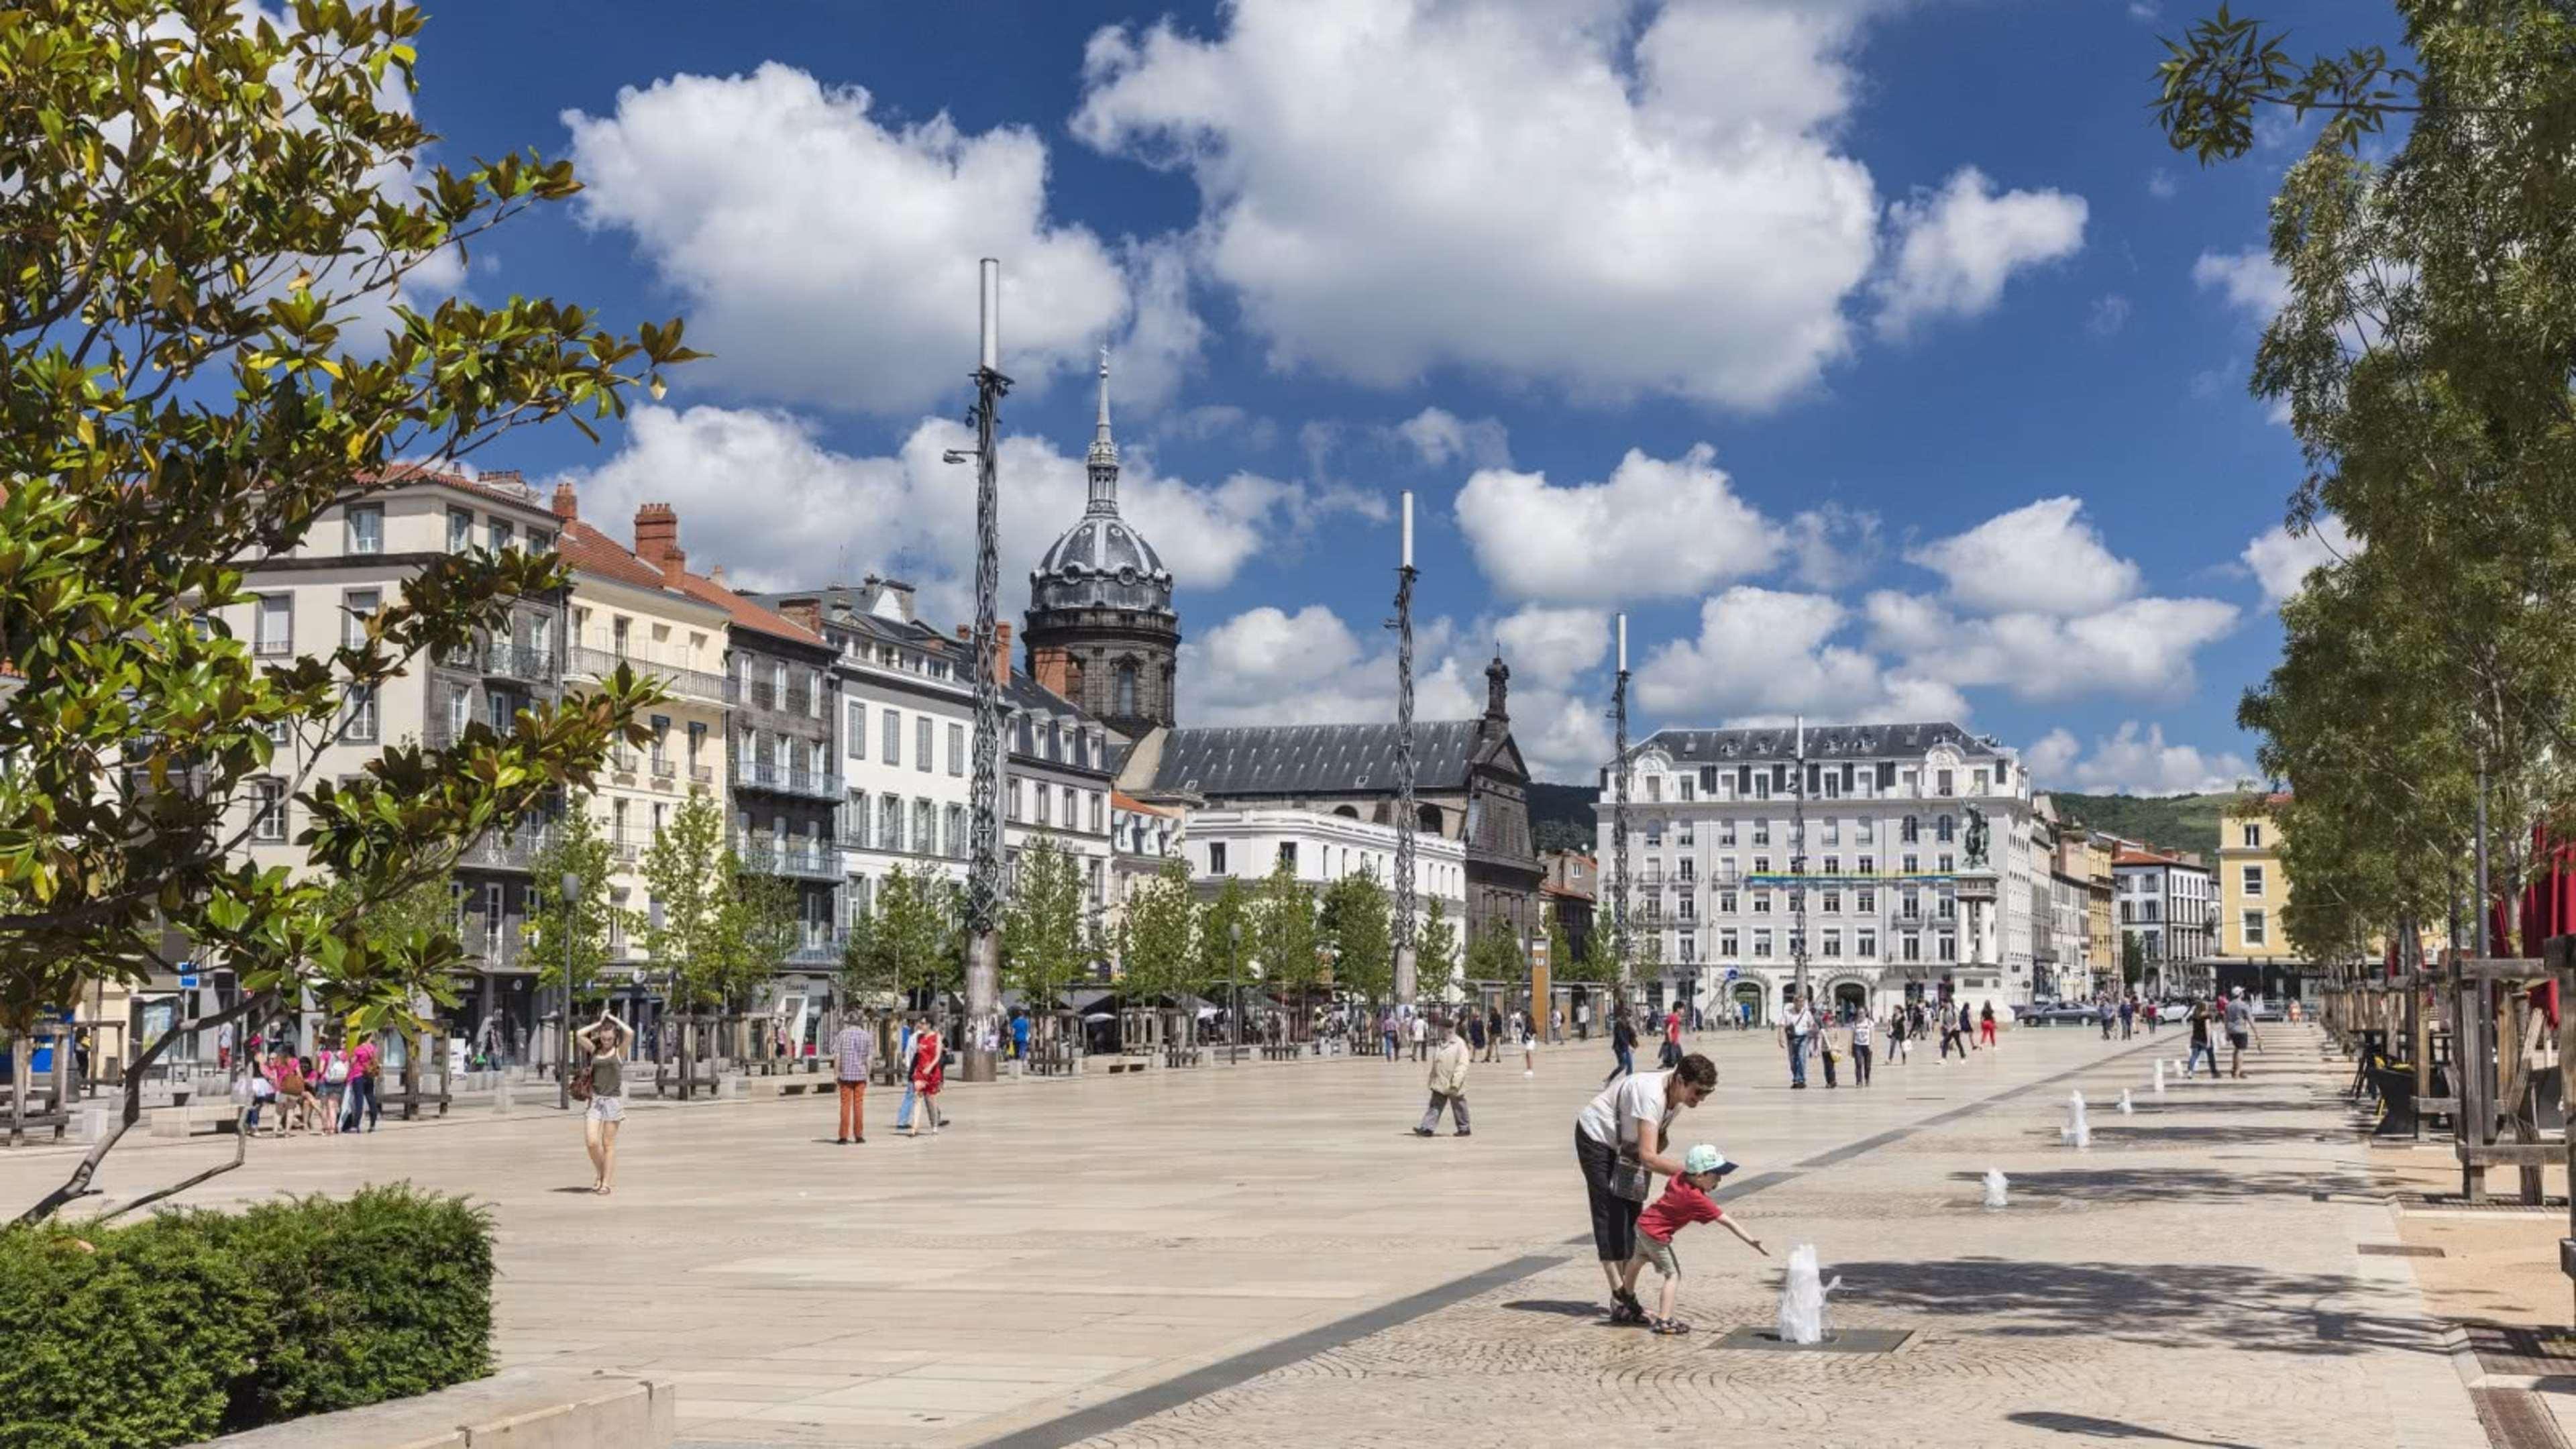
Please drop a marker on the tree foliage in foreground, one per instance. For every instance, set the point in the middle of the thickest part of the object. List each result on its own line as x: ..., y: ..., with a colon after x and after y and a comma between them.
x: 217, y: 328
x: 2423, y: 354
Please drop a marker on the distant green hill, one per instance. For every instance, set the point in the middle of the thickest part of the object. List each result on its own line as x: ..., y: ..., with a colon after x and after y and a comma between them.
x: 2176, y: 822
x: 1561, y: 816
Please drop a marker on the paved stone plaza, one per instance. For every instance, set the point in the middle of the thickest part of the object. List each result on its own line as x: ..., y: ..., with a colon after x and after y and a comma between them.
x: 1265, y: 1255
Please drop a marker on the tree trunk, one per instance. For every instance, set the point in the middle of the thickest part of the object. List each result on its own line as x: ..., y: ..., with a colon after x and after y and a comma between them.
x: 20, y: 1048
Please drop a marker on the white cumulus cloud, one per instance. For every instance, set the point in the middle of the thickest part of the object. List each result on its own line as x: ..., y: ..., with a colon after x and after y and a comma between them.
x: 1654, y: 528
x: 757, y: 492
x: 2142, y: 648
x: 2281, y: 560
x: 1956, y: 248
x: 1763, y: 654
x: 2042, y: 557
x: 829, y: 257
x: 1552, y: 646
x: 1439, y: 437
x: 1614, y: 198
x: 2249, y: 281
x: 2132, y: 761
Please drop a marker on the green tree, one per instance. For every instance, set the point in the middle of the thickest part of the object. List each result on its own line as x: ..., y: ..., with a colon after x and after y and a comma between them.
x: 1044, y: 946
x: 577, y: 953
x: 1156, y: 949
x: 1286, y: 940
x: 1357, y: 929
x: 2133, y: 958
x: 762, y: 928
x: 1493, y: 954
x: 914, y: 934
x: 1435, y: 949
x: 689, y: 871
x: 216, y: 332
x: 2423, y: 355
x: 1560, y: 954
x: 1226, y: 942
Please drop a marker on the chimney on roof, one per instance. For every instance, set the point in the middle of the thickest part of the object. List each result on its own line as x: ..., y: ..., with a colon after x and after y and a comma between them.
x: 567, y: 503
x: 1052, y: 668
x: 657, y: 540
x: 1002, y: 653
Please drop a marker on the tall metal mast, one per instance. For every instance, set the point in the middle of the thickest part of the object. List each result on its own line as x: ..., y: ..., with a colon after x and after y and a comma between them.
x: 984, y: 878
x: 1407, y: 978
x: 1798, y: 859
x: 1620, y: 919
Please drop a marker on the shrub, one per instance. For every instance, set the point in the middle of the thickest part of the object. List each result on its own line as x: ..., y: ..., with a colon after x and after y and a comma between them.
x: 198, y: 1323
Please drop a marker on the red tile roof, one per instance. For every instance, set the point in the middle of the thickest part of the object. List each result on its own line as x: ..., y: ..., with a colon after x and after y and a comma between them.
x: 1124, y: 801
x: 745, y: 612
x: 591, y: 551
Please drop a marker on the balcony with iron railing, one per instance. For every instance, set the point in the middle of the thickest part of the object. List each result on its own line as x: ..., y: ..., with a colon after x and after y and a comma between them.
x: 682, y: 681
x: 807, y: 859
x: 817, y: 948
x: 753, y: 774
x: 510, y: 850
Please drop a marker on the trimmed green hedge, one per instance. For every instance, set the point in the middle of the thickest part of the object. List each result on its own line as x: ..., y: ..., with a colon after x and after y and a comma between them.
x: 199, y: 1323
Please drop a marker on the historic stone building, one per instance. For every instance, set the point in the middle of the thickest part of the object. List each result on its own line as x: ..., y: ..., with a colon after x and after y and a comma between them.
x: 1101, y: 628
x: 1470, y: 786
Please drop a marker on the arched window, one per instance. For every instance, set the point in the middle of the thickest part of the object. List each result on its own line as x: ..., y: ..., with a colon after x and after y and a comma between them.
x: 1346, y: 812
x: 1427, y: 817
x: 1125, y: 704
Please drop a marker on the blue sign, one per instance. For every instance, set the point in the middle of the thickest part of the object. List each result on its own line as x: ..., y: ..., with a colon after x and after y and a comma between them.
x: 187, y: 980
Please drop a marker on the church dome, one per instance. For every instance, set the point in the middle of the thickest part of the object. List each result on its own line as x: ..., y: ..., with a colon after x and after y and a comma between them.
x: 1101, y: 562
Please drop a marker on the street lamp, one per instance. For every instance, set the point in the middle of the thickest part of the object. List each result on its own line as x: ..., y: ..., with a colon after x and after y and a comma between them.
x: 563, y: 1064
x: 1234, y: 995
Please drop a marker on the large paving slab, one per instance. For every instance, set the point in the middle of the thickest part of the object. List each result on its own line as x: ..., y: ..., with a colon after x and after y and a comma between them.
x: 1265, y: 1254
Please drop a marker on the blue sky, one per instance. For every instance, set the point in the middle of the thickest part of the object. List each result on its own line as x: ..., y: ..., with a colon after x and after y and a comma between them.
x: 1875, y: 356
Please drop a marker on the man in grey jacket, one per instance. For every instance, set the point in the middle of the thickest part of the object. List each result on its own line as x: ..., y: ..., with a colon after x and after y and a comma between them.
x: 1448, y: 1082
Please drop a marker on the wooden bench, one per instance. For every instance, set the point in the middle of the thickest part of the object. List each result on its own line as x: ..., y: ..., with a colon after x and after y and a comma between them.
x: 1281, y: 1051
x: 1115, y: 1065
x: 786, y: 1086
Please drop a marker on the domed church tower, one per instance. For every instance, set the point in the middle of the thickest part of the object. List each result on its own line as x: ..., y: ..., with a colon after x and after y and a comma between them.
x: 1101, y: 630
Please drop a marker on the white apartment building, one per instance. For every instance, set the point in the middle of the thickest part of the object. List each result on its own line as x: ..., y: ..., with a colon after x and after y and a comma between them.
x: 310, y: 600
x: 1322, y: 847
x: 1142, y: 838
x: 1719, y: 873
x: 2170, y: 903
x: 1058, y: 767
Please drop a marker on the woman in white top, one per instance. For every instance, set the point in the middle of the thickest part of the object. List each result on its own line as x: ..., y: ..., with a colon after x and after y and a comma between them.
x: 1620, y: 1143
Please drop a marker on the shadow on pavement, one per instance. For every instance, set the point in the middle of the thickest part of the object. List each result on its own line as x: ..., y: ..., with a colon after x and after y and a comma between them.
x: 2197, y: 1305
x: 1561, y: 1307
x: 2092, y: 1428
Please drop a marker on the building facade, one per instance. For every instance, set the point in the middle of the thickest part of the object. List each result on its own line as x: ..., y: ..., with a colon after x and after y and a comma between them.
x: 1724, y: 891
x: 1471, y: 787
x: 627, y: 613
x: 1321, y: 847
x: 1102, y: 633
x: 1572, y: 885
x: 2169, y: 904
x: 354, y: 561
x: 2253, y: 889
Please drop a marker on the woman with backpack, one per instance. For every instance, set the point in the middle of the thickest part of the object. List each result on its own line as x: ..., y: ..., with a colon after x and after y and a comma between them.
x: 334, y: 1065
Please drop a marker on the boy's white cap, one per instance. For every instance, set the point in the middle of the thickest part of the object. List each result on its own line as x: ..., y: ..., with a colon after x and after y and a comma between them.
x: 1704, y: 1158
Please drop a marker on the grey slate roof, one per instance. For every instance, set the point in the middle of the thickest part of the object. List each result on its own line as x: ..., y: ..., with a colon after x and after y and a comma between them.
x: 1258, y: 760
x: 1824, y: 742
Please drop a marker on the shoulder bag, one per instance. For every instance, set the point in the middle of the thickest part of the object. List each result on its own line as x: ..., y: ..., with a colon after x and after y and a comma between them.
x: 580, y: 1085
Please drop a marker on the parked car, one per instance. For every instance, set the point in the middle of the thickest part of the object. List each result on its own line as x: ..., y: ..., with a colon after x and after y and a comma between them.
x: 2064, y: 1013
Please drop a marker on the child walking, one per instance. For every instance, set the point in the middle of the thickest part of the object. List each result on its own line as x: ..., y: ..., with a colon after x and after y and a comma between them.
x: 1685, y: 1201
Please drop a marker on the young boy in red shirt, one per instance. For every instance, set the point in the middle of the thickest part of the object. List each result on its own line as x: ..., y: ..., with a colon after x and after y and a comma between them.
x: 1685, y: 1201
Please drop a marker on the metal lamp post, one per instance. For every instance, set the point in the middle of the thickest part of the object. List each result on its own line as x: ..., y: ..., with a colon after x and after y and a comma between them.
x: 1234, y: 997
x: 571, y: 884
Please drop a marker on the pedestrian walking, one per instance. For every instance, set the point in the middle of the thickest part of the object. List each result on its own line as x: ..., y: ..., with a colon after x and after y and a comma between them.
x: 1421, y: 1029
x: 603, y: 1084
x: 1685, y: 1201
x: 1386, y: 1028
x: 1020, y: 1026
x: 1623, y: 1048
x: 853, y: 1052
x: 1827, y: 1050
x: 334, y: 1064
x: 929, y: 1070
x: 1950, y: 1035
x: 1860, y: 1033
x: 902, y: 1067
x: 1493, y: 1032
x: 1800, y: 1025
x: 2200, y: 1046
x: 1476, y: 1038
x: 2240, y: 1031
x: 1448, y: 1083
x: 1986, y: 1024
x: 1529, y: 1046
x: 1620, y: 1143
x: 2128, y: 1015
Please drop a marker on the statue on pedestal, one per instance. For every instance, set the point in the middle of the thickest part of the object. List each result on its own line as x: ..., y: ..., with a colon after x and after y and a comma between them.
x: 1977, y: 837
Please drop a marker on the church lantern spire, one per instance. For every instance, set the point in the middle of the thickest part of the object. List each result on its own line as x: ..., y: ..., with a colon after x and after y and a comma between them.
x: 1102, y: 463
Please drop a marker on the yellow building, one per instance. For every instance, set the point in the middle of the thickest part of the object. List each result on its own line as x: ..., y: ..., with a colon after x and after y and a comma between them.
x: 2101, y: 950
x: 2253, y: 890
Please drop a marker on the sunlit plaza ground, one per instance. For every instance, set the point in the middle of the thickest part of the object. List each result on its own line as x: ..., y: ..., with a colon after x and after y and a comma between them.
x: 1266, y: 1255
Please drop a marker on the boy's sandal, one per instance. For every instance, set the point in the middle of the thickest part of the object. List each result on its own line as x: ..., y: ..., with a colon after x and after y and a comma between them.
x: 1671, y: 1327
x: 1626, y: 1313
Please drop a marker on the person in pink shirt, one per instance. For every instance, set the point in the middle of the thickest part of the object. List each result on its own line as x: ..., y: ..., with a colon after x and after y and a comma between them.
x: 362, y: 1089
x: 1685, y: 1201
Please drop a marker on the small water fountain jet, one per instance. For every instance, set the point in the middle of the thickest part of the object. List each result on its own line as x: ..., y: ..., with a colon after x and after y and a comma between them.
x: 2160, y: 1076
x: 1802, y: 1298
x: 1997, y: 1189
x: 2077, y: 1132
x: 2125, y: 1108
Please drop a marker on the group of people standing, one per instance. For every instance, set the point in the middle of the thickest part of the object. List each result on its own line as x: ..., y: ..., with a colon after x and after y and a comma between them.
x: 921, y: 1058
x: 330, y: 1092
